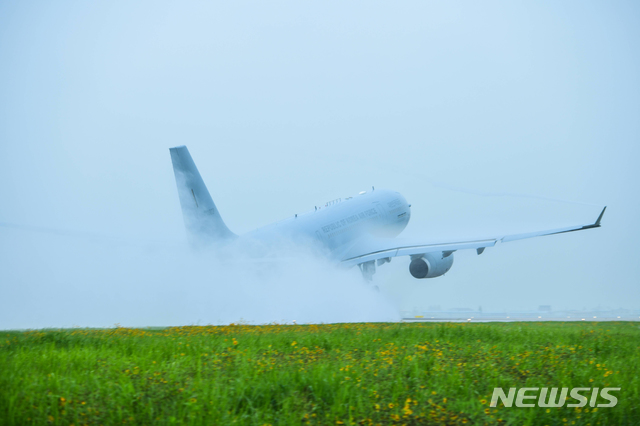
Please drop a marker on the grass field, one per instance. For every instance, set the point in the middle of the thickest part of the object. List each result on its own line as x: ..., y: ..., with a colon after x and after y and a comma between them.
x: 368, y: 374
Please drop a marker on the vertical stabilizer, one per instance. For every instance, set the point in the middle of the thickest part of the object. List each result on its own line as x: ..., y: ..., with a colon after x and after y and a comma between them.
x: 201, y: 217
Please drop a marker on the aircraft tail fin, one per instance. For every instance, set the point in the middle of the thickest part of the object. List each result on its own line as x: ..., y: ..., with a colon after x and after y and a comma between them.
x: 201, y: 217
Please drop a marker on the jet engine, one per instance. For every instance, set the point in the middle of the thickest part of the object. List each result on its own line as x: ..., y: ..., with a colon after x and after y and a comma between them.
x: 430, y: 265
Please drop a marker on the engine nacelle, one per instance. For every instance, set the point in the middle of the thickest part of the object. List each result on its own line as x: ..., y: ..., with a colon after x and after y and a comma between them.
x: 430, y: 265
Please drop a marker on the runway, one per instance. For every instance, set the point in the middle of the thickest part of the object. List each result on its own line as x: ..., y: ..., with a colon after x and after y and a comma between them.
x: 521, y: 317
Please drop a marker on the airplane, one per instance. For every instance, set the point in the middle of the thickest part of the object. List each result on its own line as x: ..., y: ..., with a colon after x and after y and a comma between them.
x: 360, y: 230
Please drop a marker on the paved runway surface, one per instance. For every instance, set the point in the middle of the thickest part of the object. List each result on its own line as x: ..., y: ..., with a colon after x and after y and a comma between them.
x: 509, y: 318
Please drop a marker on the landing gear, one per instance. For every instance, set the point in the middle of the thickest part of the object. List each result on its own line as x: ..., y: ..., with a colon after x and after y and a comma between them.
x: 367, y: 269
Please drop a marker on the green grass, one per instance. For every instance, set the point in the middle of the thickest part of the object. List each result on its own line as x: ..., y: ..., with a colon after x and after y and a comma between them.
x: 420, y: 373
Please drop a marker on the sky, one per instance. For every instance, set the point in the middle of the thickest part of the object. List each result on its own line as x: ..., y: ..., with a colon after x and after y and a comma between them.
x: 487, y: 117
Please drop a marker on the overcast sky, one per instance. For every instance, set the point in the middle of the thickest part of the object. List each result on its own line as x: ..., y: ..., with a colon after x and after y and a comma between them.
x: 482, y: 114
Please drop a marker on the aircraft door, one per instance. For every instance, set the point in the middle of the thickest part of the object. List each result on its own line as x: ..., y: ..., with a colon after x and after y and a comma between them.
x: 381, y: 225
x: 382, y: 212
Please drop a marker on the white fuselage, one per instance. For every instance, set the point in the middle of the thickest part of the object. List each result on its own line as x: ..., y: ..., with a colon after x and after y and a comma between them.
x: 341, y: 222
x: 358, y: 230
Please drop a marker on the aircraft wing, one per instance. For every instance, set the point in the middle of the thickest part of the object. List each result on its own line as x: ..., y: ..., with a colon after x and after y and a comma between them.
x: 372, y: 248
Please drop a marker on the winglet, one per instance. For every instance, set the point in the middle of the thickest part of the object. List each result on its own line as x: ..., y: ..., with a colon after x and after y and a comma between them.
x: 597, y: 222
x: 599, y: 217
